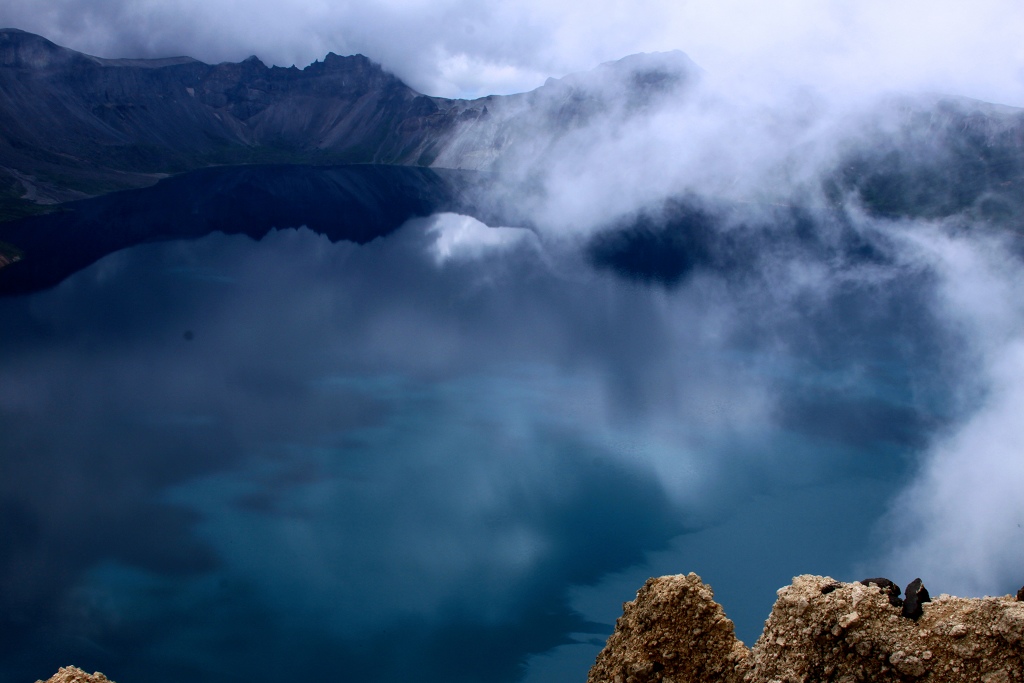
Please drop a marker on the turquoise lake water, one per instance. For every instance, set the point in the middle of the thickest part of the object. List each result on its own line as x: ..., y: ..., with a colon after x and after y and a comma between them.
x: 234, y: 460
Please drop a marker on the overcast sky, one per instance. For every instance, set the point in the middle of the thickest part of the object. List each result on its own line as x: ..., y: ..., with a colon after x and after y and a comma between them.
x: 476, y: 47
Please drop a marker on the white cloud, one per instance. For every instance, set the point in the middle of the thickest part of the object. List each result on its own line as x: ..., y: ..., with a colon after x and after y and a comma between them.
x: 960, y: 523
x: 458, y: 237
x: 457, y: 47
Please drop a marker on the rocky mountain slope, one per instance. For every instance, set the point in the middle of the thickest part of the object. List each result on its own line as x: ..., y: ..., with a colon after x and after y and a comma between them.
x: 819, y: 630
x: 73, y: 125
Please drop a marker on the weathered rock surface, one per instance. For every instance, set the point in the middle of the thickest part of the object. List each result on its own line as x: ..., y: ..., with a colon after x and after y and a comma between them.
x: 72, y: 674
x: 673, y: 631
x: 819, y: 630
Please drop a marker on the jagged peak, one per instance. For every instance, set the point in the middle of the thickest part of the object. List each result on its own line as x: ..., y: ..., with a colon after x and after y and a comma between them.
x: 335, y: 61
x: 252, y: 63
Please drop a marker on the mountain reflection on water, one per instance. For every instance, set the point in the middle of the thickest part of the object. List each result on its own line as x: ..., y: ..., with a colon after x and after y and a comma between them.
x: 229, y: 459
x: 357, y: 203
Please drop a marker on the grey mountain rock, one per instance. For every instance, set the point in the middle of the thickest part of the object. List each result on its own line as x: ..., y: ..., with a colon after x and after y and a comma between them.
x: 73, y: 125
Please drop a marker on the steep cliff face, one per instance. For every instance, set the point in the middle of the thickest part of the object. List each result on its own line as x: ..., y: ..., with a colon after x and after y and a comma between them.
x: 520, y: 129
x: 819, y: 630
x: 156, y: 115
x: 171, y: 114
x: 74, y: 125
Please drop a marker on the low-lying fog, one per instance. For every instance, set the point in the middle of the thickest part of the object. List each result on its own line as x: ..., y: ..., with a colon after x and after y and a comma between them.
x: 456, y: 450
x: 739, y: 335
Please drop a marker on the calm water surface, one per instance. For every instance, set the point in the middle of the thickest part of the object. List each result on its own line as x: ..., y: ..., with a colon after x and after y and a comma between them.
x: 227, y: 459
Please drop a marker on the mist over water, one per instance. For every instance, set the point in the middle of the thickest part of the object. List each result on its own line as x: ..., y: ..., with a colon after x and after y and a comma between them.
x: 454, y: 450
x: 743, y: 333
x: 753, y: 321
x: 811, y: 203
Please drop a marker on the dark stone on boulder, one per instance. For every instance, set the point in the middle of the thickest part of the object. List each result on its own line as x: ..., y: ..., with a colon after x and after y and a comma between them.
x: 888, y: 587
x: 917, y: 595
x: 825, y: 590
x: 1020, y: 594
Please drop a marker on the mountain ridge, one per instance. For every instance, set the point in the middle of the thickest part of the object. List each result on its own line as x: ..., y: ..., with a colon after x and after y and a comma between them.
x: 73, y: 125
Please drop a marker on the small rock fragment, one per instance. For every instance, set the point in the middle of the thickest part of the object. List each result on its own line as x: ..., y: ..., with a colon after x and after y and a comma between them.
x: 996, y: 677
x: 957, y: 631
x: 917, y: 595
x: 1010, y: 626
x: 907, y: 665
x: 847, y: 620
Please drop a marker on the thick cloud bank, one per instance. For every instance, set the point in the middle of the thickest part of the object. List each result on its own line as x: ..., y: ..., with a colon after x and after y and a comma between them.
x: 667, y: 173
x: 960, y: 520
x: 459, y: 47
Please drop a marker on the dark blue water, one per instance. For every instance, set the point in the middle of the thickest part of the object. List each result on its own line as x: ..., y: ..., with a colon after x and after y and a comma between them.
x: 227, y: 459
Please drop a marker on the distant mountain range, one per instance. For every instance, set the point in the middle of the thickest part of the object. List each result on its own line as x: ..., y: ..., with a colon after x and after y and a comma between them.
x: 73, y: 125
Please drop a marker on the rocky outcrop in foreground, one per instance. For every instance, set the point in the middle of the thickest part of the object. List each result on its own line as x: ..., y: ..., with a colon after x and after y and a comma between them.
x: 819, y: 630
x: 72, y: 674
